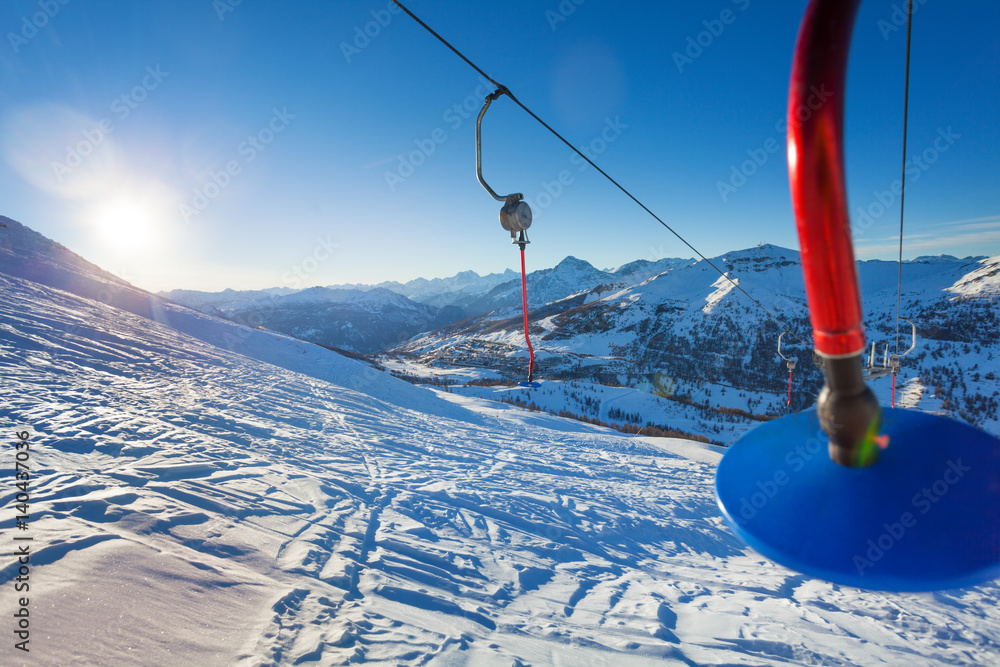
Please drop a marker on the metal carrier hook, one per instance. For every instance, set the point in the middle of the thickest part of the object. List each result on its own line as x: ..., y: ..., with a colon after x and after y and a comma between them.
x: 790, y: 362
x: 880, y: 365
x: 515, y: 216
x: 894, y: 364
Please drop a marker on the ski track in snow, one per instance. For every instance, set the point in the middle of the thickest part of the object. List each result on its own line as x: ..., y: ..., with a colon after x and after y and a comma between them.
x: 194, y: 505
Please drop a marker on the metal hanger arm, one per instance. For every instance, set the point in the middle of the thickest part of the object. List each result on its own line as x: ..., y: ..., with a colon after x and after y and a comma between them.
x: 479, y: 150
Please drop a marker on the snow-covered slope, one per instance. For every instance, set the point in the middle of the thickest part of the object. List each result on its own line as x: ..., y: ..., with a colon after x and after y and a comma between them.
x: 644, y: 269
x: 202, y: 493
x: 982, y: 282
x: 26, y: 254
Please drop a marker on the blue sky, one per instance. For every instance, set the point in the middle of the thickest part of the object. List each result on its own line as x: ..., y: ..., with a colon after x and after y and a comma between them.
x: 258, y: 144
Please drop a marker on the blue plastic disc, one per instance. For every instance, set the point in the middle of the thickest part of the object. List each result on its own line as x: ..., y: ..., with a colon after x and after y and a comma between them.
x: 925, y: 517
x: 533, y: 385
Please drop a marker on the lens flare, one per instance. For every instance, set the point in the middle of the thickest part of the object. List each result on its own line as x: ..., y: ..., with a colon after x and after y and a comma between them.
x: 61, y: 151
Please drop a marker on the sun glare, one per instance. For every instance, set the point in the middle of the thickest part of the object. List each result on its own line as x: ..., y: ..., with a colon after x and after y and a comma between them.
x: 130, y: 221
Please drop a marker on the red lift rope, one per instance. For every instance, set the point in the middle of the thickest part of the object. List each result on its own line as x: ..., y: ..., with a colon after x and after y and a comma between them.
x: 789, y: 387
x: 524, y: 304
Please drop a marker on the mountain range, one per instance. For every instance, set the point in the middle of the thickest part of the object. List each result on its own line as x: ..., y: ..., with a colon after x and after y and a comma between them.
x: 692, y: 328
x: 674, y: 321
x: 375, y: 318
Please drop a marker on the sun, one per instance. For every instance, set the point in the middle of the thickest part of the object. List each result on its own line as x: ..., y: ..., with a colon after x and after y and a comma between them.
x: 124, y: 222
x: 130, y: 221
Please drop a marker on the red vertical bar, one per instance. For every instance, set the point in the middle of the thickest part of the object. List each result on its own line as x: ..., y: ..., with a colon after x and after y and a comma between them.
x: 789, y: 388
x: 816, y: 172
x: 524, y: 304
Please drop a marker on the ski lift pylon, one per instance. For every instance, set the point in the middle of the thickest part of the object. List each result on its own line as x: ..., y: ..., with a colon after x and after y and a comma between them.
x: 822, y: 491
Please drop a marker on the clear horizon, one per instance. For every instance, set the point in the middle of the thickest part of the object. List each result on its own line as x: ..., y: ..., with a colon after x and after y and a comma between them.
x: 541, y: 268
x: 200, y: 145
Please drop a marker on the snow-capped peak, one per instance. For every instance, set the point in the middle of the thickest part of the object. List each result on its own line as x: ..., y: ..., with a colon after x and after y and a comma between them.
x: 983, y: 281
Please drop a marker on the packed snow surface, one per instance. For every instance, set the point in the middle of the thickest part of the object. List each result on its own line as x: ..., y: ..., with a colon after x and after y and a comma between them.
x: 195, y: 505
x: 208, y: 494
